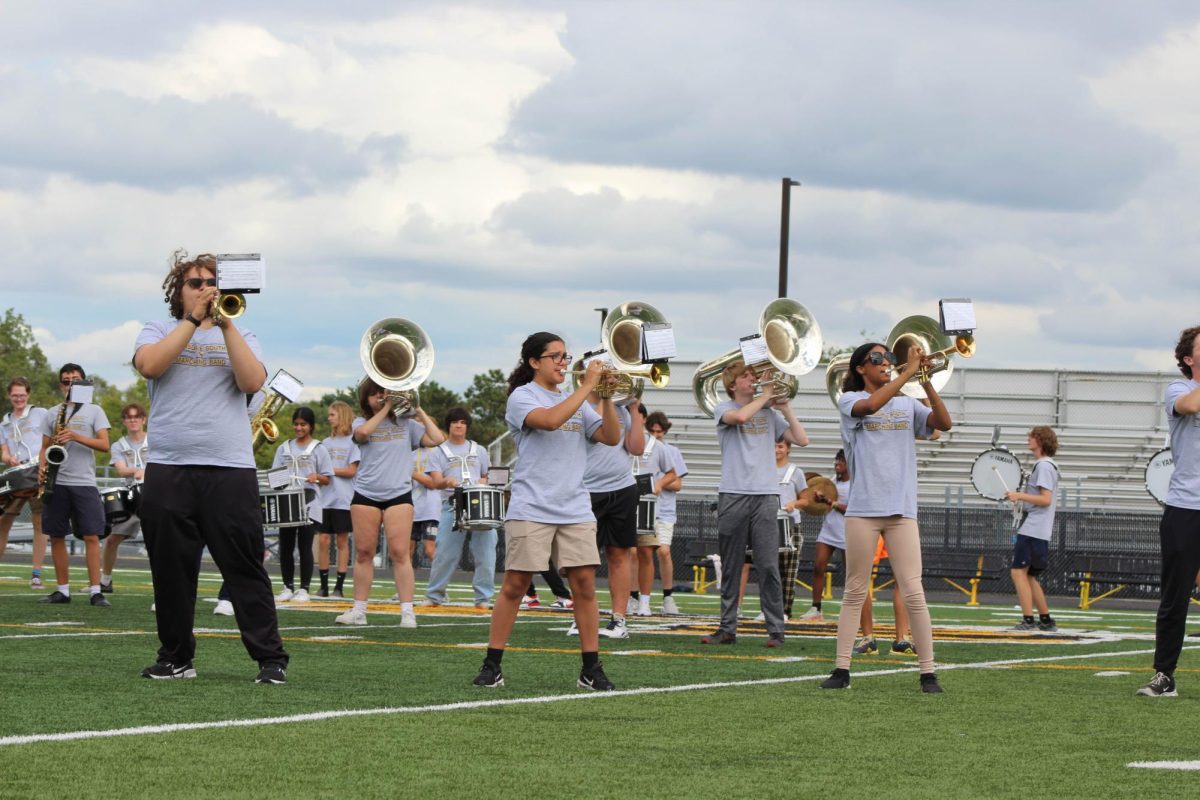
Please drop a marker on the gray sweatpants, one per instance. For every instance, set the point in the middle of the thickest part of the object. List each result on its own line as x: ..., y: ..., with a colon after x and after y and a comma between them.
x: 743, y: 518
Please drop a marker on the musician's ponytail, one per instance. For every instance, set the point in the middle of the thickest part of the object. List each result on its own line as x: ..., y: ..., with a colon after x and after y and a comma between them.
x: 532, y: 348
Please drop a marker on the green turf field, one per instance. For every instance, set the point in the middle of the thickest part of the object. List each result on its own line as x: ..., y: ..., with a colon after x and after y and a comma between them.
x: 380, y: 711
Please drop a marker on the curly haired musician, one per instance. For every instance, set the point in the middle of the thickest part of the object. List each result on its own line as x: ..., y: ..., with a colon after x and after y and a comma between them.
x: 20, y: 442
x: 1032, y: 548
x: 201, y: 487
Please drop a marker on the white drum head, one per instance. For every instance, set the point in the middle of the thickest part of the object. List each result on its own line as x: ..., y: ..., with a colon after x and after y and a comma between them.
x: 995, y: 473
x: 1158, y: 474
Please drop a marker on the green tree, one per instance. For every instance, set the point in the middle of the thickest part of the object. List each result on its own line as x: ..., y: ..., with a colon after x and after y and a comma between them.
x: 20, y: 355
x: 487, y: 398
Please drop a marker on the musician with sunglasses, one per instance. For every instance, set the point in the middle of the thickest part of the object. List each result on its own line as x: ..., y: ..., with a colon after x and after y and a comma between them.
x: 20, y: 442
x: 880, y: 426
x: 201, y: 486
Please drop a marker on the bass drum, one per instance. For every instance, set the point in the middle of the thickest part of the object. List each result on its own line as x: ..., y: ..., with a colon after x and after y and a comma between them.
x: 1158, y: 474
x: 995, y: 473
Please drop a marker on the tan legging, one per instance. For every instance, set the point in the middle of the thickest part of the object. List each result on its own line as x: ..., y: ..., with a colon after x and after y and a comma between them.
x: 903, y: 540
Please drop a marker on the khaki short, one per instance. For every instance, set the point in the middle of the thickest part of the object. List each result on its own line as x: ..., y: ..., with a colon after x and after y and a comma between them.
x: 530, y: 546
x: 664, y: 532
x: 647, y: 540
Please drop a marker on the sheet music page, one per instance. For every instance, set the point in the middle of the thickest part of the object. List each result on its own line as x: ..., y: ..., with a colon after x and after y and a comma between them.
x: 286, y: 384
x: 82, y: 392
x: 958, y: 315
x: 754, y: 349
x: 658, y: 341
x: 241, y: 272
x: 279, y: 478
x: 600, y: 355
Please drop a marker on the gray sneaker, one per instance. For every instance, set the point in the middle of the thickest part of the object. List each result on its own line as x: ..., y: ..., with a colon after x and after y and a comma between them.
x: 1161, y: 685
x: 1024, y: 626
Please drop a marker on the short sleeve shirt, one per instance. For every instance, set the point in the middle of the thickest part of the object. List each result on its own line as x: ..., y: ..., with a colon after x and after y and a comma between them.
x: 881, y: 453
x: 86, y: 419
x: 386, y: 458
x: 343, y: 451
x: 23, y: 436
x: 748, y: 450
x: 1183, y: 491
x: 1039, y: 520
x: 469, y: 455
x: 609, y: 467
x: 128, y: 454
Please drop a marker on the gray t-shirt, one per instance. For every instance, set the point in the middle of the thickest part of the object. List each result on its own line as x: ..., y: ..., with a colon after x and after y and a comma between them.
x: 748, y: 450
x: 547, y: 481
x: 450, y: 459
x: 609, y: 467
x: 666, y: 498
x: 302, y: 462
x: 386, y: 463
x: 1039, y: 520
x: 197, y: 412
x: 427, y: 503
x: 128, y: 454
x: 1184, y: 489
x: 23, y: 436
x: 833, y: 528
x: 791, y: 483
x: 343, y: 451
x: 86, y: 419
x: 881, y: 453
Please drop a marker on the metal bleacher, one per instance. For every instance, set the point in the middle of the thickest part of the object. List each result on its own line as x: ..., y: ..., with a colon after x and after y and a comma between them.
x: 1109, y: 425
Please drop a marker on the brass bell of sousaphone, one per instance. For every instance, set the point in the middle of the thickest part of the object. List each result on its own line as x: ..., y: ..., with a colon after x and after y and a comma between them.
x: 621, y: 335
x: 835, y: 375
x: 925, y: 332
x: 793, y: 339
x: 398, y: 355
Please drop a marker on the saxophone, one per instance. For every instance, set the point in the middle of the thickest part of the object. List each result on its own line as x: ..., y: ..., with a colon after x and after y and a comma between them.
x: 56, y: 455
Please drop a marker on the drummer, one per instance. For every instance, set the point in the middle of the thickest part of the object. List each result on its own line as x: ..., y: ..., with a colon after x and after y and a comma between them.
x: 129, y: 460
x: 657, y: 465
x: 20, y: 441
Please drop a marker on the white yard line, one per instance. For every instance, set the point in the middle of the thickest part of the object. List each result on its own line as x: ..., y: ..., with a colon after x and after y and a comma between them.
x: 1189, y: 766
x: 71, y: 736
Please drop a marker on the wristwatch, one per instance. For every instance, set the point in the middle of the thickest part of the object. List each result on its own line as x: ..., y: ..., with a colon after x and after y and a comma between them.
x: 192, y: 319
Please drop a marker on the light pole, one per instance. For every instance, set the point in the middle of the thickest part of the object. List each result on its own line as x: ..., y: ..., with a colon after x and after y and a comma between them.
x: 784, y: 220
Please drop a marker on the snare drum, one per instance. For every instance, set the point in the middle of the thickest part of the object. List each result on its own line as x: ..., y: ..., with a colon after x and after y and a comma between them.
x: 783, y: 527
x: 995, y: 473
x: 1158, y: 474
x: 482, y: 508
x: 284, y: 509
x: 646, y: 513
x: 119, y: 504
x: 19, y: 481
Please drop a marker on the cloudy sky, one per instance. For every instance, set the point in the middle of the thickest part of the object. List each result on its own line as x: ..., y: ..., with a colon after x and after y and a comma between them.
x: 491, y: 169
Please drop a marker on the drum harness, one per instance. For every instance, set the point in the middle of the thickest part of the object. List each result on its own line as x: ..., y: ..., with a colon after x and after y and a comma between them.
x: 466, y: 476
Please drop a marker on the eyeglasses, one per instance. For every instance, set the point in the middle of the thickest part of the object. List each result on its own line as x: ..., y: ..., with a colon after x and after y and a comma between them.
x: 877, y: 358
x: 558, y: 358
x: 196, y: 283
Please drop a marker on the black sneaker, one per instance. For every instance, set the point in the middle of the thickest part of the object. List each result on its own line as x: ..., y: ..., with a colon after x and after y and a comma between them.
x: 1161, y: 685
x: 719, y: 637
x: 1049, y: 626
x: 774, y: 640
x: 322, y: 592
x: 100, y: 600
x: 56, y: 597
x: 838, y: 679
x: 106, y: 587
x: 489, y: 675
x: 270, y: 672
x: 594, y: 678
x: 163, y: 670
x: 337, y: 593
x: 929, y: 683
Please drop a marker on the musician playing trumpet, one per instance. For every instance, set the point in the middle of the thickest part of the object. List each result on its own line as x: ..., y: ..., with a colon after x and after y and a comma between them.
x: 82, y: 429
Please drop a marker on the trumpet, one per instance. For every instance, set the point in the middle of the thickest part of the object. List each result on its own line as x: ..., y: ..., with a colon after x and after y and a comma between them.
x: 925, y: 333
x: 397, y: 355
x: 794, y: 342
x: 621, y: 335
x: 228, y: 306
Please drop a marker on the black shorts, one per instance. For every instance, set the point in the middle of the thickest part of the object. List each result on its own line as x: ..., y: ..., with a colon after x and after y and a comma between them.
x: 616, y: 517
x: 335, y: 520
x: 1031, y: 553
x: 425, y: 529
x: 74, y: 509
x: 383, y: 505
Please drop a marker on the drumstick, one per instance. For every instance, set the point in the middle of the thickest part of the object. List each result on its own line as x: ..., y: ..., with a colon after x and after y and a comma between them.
x: 1001, y: 477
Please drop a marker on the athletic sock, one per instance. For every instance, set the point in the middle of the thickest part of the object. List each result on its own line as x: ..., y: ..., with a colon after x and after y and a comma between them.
x: 817, y: 606
x: 360, y: 605
x: 591, y: 659
x: 324, y: 573
x: 406, y: 608
x: 494, y: 654
x: 1043, y: 618
x: 633, y: 595
x: 1028, y: 618
x: 106, y: 579
x: 341, y: 578
x: 667, y: 592
x: 37, y: 573
x: 94, y: 589
x: 65, y: 588
x: 643, y: 598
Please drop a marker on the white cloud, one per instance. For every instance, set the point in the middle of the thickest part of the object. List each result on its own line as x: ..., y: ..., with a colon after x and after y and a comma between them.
x: 106, y: 352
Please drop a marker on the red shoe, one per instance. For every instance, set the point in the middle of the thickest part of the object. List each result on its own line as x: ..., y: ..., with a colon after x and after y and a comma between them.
x: 530, y: 601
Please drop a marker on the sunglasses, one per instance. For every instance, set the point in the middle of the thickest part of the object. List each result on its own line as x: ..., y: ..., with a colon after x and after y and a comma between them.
x: 877, y: 358
x: 196, y: 283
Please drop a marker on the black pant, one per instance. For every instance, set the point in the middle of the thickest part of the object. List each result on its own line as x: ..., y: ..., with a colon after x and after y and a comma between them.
x: 554, y: 581
x: 1179, y: 534
x: 287, y: 546
x: 184, y: 509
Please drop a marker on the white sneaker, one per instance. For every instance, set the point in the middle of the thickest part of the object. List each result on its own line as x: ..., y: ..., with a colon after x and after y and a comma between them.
x: 564, y: 603
x: 301, y: 596
x: 643, y: 609
x: 812, y: 615
x: 394, y: 598
x: 615, y: 629
x: 573, y: 630
x: 152, y: 606
x: 631, y: 607
x: 224, y: 608
x: 669, y: 606
x: 284, y: 596
x: 408, y: 619
x: 762, y: 617
x: 351, y: 617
